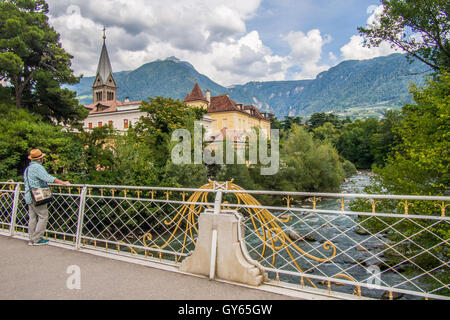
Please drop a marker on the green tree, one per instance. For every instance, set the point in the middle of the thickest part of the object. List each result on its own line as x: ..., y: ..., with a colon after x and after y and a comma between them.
x: 419, y: 164
x: 385, y: 139
x: 356, y: 142
x: 320, y: 118
x: 144, y: 153
x: 34, y: 63
x: 21, y: 131
x: 289, y: 121
x: 327, y: 133
x: 419, y: 27
x: 308, y: 164
x: 96, y: 159
x: 164, y: 116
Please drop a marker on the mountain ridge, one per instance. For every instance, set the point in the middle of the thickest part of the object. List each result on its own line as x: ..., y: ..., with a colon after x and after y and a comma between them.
x: 353, y: 87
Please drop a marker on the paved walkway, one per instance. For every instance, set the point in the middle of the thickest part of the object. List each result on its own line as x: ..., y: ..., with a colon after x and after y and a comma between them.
x: 40, y: 273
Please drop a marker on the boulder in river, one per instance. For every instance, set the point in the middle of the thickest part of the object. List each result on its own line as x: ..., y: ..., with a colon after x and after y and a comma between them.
x: 362, y: 232
x: 295, y: 236
x: 395, y: 295
x: 309, y: 238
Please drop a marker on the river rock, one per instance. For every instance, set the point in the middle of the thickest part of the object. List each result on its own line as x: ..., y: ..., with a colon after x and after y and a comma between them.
x: 362, y: 232
x: 376, y: 263
x: 309, y: 238
x: 325, y: 283
x: 295, y: 236
x: 395, y: 295
x: 402, y: 268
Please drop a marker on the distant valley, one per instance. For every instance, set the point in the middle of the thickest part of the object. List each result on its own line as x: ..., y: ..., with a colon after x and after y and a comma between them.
x: 352, y: 88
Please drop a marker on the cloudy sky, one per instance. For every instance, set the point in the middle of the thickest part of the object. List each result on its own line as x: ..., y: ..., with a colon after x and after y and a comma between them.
x: 230, y: 41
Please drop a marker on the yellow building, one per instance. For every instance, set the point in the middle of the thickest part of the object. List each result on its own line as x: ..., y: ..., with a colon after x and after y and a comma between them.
x: 227, y: 114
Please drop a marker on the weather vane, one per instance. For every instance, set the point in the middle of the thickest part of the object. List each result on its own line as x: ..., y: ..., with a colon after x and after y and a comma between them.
x: 104, y: 33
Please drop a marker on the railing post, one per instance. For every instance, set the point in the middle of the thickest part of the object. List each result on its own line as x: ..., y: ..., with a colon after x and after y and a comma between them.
x: 218, y: 202
x: 80, y: 217
x: 212, y: 263
x: 14, y: 210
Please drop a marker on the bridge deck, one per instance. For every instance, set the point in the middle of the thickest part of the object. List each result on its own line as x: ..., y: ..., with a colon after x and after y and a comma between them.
x: 40, y: 273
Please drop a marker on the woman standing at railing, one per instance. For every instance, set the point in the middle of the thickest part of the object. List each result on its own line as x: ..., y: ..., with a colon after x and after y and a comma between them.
x: 36, y: 177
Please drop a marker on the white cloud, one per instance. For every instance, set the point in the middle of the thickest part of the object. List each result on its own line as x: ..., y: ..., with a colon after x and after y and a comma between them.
x: 211, y: 35
x: 306, y: 52
x: 242, y: 60
x: 332, y: 57
x: 141, y: 31
x: 355, y: 49
x: 375, y: 15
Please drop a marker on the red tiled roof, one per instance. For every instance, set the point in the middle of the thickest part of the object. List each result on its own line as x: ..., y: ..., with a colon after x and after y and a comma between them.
x: 221, y: 104
x: 225, y: 103
x: 104, y: 106
x: 196, y: 95
x: 130, y: 103
x: 108, y: 106
x: 255, y: 110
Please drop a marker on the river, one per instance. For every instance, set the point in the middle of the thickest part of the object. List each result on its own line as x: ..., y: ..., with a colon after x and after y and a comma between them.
x: 357, y: 254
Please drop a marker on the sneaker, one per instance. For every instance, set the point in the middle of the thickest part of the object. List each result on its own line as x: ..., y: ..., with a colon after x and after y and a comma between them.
x: 30, y: 243
x: 41, y: 242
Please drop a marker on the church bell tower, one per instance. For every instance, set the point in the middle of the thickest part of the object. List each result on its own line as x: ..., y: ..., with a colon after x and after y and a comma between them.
x: 104, y: 87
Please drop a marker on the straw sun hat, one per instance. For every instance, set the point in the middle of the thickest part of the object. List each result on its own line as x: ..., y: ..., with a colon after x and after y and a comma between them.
x: 36, y: 154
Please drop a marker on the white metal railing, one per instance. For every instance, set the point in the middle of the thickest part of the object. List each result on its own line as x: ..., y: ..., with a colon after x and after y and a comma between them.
x: 341, y: 242
x: 368, y: 245
x: 135, y: 221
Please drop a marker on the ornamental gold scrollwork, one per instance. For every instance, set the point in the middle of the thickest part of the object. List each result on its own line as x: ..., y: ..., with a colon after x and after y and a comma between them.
x: 188, y: 214
x: 271, y: 234
x: 132, y: 251
x: 406, y: 205
x: 314, y: 201
x: 356, y: 291
x: 11, y: 188
x: 266, y: 225
x: 373, y: 203
x: 443, y: 206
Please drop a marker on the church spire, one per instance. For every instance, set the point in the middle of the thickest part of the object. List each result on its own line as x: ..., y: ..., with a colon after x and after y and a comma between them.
x: 105, y: 87
x: 104, y: 69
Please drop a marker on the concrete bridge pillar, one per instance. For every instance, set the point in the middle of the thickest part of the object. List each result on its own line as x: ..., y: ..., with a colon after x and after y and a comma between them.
x: 219, y: 252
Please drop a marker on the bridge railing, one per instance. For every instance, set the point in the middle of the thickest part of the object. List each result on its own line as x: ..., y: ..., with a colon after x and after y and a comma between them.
x: 137, y: 221
x: 379, y: 246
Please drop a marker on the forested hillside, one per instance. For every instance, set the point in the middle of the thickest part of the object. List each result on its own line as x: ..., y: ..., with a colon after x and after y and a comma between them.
x: 355, y: 88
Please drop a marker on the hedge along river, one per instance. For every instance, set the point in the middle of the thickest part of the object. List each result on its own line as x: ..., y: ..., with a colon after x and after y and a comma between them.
x: 356, y: 250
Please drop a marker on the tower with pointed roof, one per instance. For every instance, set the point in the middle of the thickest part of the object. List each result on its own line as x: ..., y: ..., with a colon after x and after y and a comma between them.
x: 227, y: 114
x: 104, y: 87
x: 197, y: 98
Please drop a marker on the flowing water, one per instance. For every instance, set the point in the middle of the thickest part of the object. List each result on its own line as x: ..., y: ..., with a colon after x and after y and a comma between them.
x: 356, y: 252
